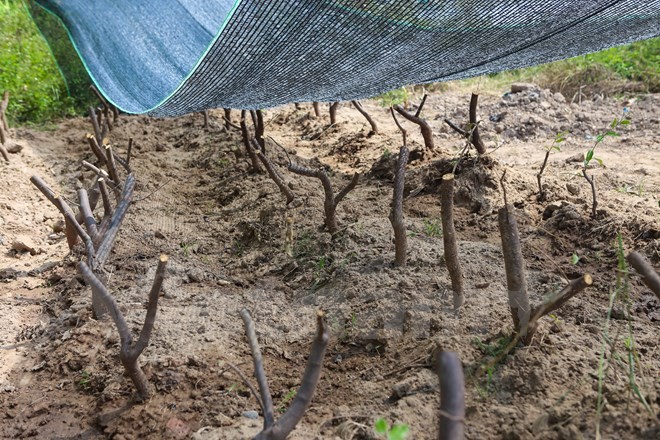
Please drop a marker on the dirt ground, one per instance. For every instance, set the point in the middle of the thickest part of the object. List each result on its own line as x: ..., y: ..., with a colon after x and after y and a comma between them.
x: 224, y: 230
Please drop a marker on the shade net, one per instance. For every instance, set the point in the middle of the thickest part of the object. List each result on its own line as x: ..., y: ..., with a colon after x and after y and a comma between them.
x: 169, y: 57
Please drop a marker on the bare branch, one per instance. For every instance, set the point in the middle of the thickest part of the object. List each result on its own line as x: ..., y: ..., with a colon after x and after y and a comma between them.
x: 87, y: 215
x: 449, y: 238
x: 105, y: 196
x: 594, y: 200
x: 205, y: 113
x: 106, y: 245
x: 259, y: 372
x: 540, y: 173
x: 96, y: 149
x: 333, y: 113
x: 256, y: 168
x: 421, y: 106
x: 110, y: 162
x: 351, y: 185
x: 569, y: 291
x: 317, y: 109
x: 3, y: 150
x: 374, y: 127
x: 649, y: 276
x: 152, y: 307
x: 452, y: 395
x: 472, y: 132
x: 128, y: 153
x: 95, y: 124
x: 283, y: 427
x: 403, y: 131
x: 331, y: 201
x: 396, y: 214
x: 3, y: 109
x: 427, y: 132
x: 474, y: 124
x: 129, y: 354
x: 70, y: 231
x: 456, y: 128
x: 272, y: 172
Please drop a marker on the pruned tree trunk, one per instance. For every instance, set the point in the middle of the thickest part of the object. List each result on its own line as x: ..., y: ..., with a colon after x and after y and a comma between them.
x: 474, y: 124
x: 281, y: 428
x: 331, y: 201
x: 129, y: 352
x: 396, y: 213
x: 425, y: 128
x: 515, y: 271
x: 227, y: 118
x: 449, y: 239
x: 471, y: 133
x: 272, y: 172
x: 649, y: 276
x: 245, y: 133
x: 258, y: 121
x: 333, y: 113
x: 363, y: 112
x: 317, y: 109
x: 594, y: 199
x: 452, y: 396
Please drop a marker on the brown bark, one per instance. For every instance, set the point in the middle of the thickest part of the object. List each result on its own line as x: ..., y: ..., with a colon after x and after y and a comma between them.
x: 333, y: 113
x: 396, y: 214
x: 367, y: 116
x: 205, y: 113
x: 331, y: 201
x: 538, y: 176
x: 569, y: 291
x: 317, y: 109
x: 649, y: 276
x: 474, y: 124
x: 245, y: 133
x: 129, y: 352
x: 272, y: 172
x: 472, y: 131
x: 280, y: 429
x: 594, y: 200
x: 515, y: 271
x: 427, y: 132
x: 449, y: 238
x: 258, y: 121
x: 3, y: 110
x: 69, y: 231
x: 452, y: 396
x: 95, y: 125
x: 3, y: 151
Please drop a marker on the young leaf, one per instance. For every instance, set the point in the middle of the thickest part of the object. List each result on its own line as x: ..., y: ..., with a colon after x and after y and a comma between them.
x: 590, y: 155
x: 381, y: 426
x: 398, y: 432
x: 625, y: 122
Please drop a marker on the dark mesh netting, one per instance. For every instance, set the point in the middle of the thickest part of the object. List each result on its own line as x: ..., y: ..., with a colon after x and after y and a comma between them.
x: 169, y: 57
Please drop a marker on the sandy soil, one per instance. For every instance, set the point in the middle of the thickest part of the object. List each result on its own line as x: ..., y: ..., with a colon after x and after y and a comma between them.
x: 224, y: 230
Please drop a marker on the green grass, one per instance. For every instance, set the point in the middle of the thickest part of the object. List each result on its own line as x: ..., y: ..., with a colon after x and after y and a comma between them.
x: 27, y: 69
x: 633, y: 68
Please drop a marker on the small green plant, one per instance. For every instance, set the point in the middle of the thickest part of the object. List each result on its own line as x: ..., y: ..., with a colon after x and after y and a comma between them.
x: 85, y: 379
x: 630, y: 360
x: 575, y: 259
x: 559, y: 138
x: 284, y: 404
x: 386, y: 154
x: 399, y: 431
x: 187, y: 247
x: 394, y: 97
x: 637, y: 189
x: 432, y: 228
x: 616, y: 123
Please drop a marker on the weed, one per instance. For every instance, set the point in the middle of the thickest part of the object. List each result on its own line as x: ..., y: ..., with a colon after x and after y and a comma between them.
x: 575, y: 259
x: 394, y: 97
x: 631, y: 360
x: 284, y: 404
x: 188, y: 247
x: 432, y: 228
x: 399, y: 431
x: 386, y: 154
x: 496, y: 351
x: 637, y: 189
x: 85, y: 380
